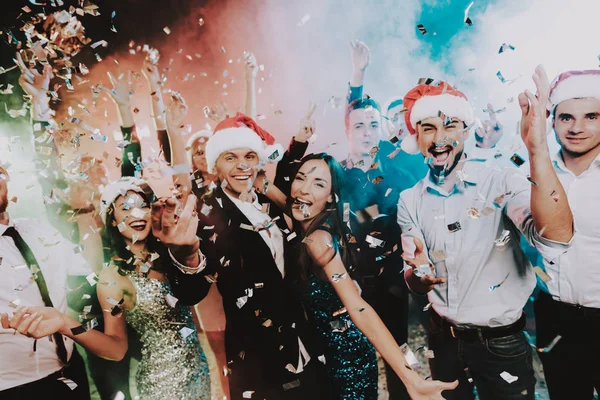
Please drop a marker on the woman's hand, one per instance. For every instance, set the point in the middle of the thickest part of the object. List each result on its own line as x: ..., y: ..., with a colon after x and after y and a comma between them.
x: 122, y: 88
x: 36, y: 322
x: 420, y: 389
x: 306, y: 129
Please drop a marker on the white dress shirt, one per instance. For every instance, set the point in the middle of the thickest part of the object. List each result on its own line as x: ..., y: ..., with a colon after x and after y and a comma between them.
x: 19, y: 364
x: 575, y: 276
x: 272, y: 236
x: 486, y: 285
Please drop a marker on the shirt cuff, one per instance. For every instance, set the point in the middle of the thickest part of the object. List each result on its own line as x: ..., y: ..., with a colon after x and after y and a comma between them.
x: 189, y: 270
x: 550, y: 250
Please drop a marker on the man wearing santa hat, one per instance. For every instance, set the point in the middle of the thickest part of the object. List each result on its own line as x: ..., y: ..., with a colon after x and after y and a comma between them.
x: 461, y: 226
x: 567, y: 309
x: 271, y: 350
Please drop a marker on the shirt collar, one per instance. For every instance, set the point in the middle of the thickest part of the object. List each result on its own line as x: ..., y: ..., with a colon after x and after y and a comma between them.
x: 558, y: 162
x: 240, y: 203
x: 3, y: 227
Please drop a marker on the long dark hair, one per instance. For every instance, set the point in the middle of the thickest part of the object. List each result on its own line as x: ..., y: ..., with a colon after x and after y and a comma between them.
x: 114, y: 246
x: 330, y: 219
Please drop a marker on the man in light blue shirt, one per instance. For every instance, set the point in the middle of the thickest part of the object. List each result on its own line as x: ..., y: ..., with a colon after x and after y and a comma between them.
x: 461, y: 228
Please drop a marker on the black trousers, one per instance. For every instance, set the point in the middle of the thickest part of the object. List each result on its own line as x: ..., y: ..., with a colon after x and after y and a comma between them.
x: 310, y: 384
x: 392, y: 307
x: 51, y: 388
x: 572, y: 366
x: 482, y: 364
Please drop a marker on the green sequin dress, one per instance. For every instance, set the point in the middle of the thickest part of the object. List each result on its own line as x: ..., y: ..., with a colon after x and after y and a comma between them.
x: 173, y: 365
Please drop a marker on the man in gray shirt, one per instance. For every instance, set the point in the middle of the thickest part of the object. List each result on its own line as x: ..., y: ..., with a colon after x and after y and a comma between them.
x: 461, y: 227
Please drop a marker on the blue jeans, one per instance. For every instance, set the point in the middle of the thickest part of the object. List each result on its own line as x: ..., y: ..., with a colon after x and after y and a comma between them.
x: 479, y: 364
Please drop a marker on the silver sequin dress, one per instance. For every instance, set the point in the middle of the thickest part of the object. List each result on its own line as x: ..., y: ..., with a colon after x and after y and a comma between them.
x: 173, y: 365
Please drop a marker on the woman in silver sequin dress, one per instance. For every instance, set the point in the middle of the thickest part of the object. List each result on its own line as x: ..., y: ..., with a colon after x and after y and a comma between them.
x: 133, y: 289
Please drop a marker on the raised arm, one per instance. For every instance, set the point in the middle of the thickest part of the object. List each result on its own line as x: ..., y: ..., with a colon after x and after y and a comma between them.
x: 296, y: 150
x: 550, y: 209
x: 361, y: 57
x: 121, y: 96
x: 250, y: 72
x: 176, y: 112
x: 152, y: 74
x: 366, y: 319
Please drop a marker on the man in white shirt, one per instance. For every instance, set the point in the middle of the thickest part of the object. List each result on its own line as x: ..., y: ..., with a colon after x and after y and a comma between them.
x: 461, y: 228
x: 35, y: 261
x: 568, y: 306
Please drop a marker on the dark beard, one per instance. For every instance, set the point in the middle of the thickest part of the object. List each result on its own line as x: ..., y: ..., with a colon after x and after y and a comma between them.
x: 436, y: 170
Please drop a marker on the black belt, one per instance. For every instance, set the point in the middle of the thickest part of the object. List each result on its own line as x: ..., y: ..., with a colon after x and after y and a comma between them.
x: 475, y: 334
x: 587, y: 312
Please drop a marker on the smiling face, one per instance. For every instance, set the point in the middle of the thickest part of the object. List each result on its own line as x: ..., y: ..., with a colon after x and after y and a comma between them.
x: 363, y: 130
x: 133, y: 213
x: 235, y: 167
x: 311, y: 191
x: 577, y: 125
x: 442, y: 143
x: 198, y: 156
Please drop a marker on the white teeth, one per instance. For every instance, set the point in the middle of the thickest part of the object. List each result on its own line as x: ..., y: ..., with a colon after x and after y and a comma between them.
x: 242, y: 178
x: 303, y: 201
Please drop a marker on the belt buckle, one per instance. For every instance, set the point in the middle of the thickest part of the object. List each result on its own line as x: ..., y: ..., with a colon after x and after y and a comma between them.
x: 452, y: 331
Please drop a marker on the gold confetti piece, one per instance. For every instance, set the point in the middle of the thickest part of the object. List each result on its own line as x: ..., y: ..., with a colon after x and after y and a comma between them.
x: 291, y: 236
x: 14, y: 303
x: 248, y: 394
x: 542, y: 274
x: 167, y: 30
x: 473, y: 213
x: 268, y: 323
x: 340, y: 312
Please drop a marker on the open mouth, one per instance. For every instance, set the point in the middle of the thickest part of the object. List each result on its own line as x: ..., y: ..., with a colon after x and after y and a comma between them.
x: 241, y: 177
x: 440, y: 155
x: 138, y: 225
x: 302, y: 205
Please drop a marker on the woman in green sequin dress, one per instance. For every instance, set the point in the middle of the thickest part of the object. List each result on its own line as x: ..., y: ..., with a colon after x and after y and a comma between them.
x: 321, y: 259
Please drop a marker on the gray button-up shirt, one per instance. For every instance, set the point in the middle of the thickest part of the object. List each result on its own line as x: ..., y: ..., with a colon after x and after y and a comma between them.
x: 472, y: 238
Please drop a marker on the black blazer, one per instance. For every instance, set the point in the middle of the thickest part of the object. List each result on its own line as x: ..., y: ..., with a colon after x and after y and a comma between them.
x: 261, y: 336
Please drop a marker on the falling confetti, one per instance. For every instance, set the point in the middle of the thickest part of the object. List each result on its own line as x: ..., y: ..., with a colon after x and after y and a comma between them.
x: 467, y: 19
x: 422, y: 29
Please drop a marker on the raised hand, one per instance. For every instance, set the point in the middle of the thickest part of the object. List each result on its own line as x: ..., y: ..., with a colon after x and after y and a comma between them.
x: 176, y: 111
x: 152, y: 74
x: 491, y: 133
x: 35, y: 322
x: 122, y: 88
x: 307, y: 125
x: 177, y: 232
x: 534, y: 107
x: 417, y: 261
x: 360, y: 54
x: 251, y: 65
x: 33, y: 83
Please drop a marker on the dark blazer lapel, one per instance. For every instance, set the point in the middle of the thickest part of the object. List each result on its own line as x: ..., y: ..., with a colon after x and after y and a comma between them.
x: 245, y: 237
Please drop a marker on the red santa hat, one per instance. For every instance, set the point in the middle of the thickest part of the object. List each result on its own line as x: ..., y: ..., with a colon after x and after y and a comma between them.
x: 428, y: 100
x: 241, y: 132
x: 574, y: 84
x: 203, y: 134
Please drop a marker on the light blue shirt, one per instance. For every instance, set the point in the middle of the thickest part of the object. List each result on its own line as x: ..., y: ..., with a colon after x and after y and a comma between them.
x: 487, y: 284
